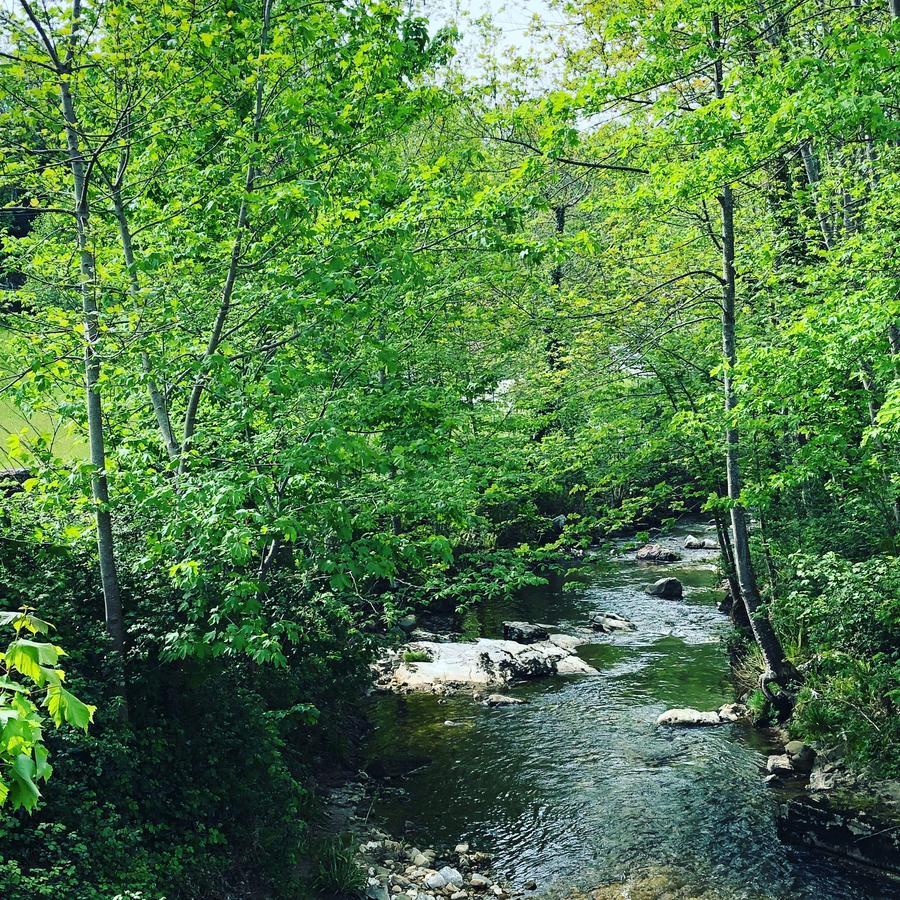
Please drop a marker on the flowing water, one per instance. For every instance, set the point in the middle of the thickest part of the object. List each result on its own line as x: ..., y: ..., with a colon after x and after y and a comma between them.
x: 577, y: 787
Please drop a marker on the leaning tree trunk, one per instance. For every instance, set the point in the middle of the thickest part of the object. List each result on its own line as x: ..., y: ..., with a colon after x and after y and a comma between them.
x: 778, y: 669
x: 157, y: 400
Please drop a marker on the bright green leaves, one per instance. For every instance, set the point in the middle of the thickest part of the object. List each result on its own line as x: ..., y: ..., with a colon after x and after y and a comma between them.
x: 64, y: 706
x: 34, y: 660
x: 30, y: 680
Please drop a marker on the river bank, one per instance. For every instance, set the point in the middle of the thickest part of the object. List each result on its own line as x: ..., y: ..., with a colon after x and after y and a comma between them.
x: 571, y: 785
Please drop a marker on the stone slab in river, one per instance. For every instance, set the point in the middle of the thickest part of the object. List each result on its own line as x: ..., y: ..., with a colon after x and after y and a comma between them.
x: 689, y: 717
x: 610, y: 622
x: 486, y: 663
x: 657, y: 553
x: 870, y: 837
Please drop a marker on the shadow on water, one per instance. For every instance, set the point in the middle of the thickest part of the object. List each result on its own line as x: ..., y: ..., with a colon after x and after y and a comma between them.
x: 577, y: 787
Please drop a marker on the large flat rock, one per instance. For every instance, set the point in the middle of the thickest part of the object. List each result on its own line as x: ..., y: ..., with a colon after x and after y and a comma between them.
x: 487, y: 663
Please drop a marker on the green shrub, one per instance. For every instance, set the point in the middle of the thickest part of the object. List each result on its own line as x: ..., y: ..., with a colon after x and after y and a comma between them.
x: 841, y: 620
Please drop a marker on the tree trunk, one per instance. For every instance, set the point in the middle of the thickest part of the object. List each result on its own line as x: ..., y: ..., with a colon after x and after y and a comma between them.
x: 811, y: 166
x: 157, y: 401
x: 90, y: 314
x: 777, y: 666
x: 556, y: 278
x: 768, y: 642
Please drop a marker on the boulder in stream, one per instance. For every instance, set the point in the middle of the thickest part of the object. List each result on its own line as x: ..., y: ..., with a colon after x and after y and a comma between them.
x: 689, y: 718
x: 485, y: 663
x: 667, y: 588
x: 733, y: 712
x: 695, y: 543
x: 780, y: 765
x: 657, y: 553
x: 610, y: 622
x: 524, y: 632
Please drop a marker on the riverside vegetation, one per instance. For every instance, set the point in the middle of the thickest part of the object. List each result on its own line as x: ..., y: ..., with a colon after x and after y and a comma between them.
x: 316, y: 326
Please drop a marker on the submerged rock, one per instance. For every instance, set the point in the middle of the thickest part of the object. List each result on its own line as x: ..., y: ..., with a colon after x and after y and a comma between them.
x: 667, y: 588
x: 657, y: 553
x: 610, y: 622
x: 841, y: 826
x: 501, y: 700
x: 687, y: 717
x: 524, y: 632
x: 486, y: 663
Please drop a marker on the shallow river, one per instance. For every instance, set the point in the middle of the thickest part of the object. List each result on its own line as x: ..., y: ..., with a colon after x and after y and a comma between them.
x: 577, y: 787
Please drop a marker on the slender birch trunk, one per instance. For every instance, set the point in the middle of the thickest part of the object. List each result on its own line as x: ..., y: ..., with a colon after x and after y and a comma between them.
x: 157, y: 401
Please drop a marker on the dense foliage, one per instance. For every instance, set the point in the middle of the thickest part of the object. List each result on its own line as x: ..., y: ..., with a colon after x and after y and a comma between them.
x: 306, y: 326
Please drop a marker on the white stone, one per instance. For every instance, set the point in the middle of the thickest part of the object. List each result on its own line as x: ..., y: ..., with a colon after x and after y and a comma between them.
x: 689, y: 717
x: 565, y: 641
x: 779, y: 764
x: 733, y: 712
x: 451, y: 876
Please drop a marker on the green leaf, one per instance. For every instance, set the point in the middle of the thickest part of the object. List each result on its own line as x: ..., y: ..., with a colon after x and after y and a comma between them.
x: 24, y: 791
x: 66, y: 707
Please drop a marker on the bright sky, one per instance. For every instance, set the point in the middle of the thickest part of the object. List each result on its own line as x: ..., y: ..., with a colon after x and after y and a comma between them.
x: 512, y: 21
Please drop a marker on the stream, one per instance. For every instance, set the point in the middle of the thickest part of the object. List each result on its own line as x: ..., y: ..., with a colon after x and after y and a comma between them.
x: 577, y: 787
